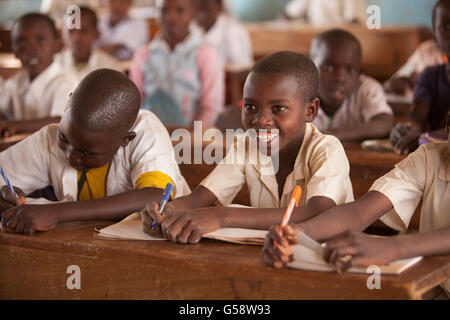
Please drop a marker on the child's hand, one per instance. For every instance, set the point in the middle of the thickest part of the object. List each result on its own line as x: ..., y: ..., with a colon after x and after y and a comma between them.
x: 356, y: 249
x: 149, y: 215
x: 401, y: 85
x: 279, y: 245
x: 29, y: 219
x: 404, y: 137
x: 190, y: 226
x: 7, y: 128
x: 8, y: 200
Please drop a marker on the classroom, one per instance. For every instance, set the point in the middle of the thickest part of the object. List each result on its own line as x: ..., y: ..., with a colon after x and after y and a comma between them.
x: 224, y: 150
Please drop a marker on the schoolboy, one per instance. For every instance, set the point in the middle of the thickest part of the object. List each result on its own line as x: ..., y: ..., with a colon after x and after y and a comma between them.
x: 105, y: 152
x: 280, y: 101
x: 36, y: 95
x: 80, y: 57
x: 353, y: 106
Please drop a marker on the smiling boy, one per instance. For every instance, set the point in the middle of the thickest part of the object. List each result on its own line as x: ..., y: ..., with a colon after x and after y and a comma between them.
x: 280, y: 101
x: 104, y: 152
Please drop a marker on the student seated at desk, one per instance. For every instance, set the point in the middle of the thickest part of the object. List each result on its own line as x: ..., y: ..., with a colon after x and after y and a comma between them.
x: 80, y: 57
x: 428, y: 54
x: 36, y: 95
x: 423, y: 176
x: 226, y: 34
x: 105, y: 152
x: 180, y: 76
x: 431, y: 93
x: 121, y: 35
x: 353, y: 106
x: 280, y: 102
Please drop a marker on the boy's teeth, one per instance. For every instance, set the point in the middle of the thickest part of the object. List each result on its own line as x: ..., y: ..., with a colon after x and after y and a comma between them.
x: 34, y: 61
x: 266, y: 137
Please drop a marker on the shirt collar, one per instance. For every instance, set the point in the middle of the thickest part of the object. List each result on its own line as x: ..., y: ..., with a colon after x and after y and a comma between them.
x: 193, y: 39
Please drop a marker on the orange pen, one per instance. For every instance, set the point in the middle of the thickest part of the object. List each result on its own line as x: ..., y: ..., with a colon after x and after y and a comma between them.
x: 295, y: 198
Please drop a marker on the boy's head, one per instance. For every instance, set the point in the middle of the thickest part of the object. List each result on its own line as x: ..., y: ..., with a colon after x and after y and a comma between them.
x: 97, y: 122
x: 207, y: 12
x: 35, y: 41
x: 441, y: 25
x: 337, y: 54
x: 118, y: 9
x: 80, y: 41
x: 280, y: 93
x: 176, y: 16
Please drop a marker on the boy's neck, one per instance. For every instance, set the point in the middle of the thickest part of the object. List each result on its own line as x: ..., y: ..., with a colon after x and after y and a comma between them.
x: 173, y: 43
x: 81, y: 60
x: 34, y: 76
x: 328, y: 109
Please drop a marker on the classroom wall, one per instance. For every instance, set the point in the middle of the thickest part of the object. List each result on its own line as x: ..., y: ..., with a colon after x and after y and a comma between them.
x: 12, y: 9
x: 412, y: 12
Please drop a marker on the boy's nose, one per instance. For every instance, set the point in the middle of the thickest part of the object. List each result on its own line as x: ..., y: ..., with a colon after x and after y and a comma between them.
x: 73, y: 156
x: 262, y: 119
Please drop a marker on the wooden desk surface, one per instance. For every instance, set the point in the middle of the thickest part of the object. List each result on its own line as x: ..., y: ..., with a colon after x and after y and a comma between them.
x: 357, y: 155
x: 34, y: 267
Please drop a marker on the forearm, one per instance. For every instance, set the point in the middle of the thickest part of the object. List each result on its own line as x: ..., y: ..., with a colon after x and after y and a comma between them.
x: 32, y: 125
x: 199, y: 198
x: 356, y: 215
x: 111, y: 208
x: 378, y: 127
x: 435, y: 242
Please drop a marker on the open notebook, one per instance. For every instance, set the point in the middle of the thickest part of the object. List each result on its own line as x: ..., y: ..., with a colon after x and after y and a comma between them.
x: 130, y: 228
x: 308, y: 256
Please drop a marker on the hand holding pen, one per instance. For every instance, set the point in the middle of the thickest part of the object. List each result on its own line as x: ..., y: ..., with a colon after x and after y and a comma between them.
x: 9, y: 194
x: 152, y: 215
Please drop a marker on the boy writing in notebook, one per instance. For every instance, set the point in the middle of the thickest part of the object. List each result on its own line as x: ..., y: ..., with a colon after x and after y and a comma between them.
x: 81, y: 57
x: 105, y: 152
x: 36, y: 95
x: 280, y: 102
x: 353, y: 106
x: 423, y: 176
x: 431, y: 93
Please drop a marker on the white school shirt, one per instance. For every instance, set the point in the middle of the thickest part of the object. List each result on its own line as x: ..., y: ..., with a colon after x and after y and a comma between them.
x: 327, y: 12
x: 46, y: 96
x: 231, y: 40
x: 133, y: 33
x: 97, y: 60
x: 423, y: 175
x: 367, y: 101
x: 321, y: 169
x: 37, y: 161
x: 426, y: 55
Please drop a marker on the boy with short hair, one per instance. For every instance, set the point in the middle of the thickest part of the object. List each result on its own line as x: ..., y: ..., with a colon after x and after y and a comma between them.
x: 121, y: 35
x: 353, y: 106
x: 80, y: 57
x: 280, y: 101
x: 227, y: 35
x: 36, y: 95
x: 104, y: 152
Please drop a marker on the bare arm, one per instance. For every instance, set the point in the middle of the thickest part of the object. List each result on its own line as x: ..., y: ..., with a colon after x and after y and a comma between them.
x: 378, y: 127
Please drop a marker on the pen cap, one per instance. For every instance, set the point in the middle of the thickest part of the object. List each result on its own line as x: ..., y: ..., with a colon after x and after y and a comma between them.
x: 297, y: 194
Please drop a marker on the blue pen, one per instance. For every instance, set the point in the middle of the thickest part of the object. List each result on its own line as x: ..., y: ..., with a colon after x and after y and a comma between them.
x: 163, y: 202
x: 8, y: 183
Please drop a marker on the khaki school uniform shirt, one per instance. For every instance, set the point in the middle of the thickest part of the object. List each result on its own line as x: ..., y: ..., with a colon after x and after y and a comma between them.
x: 423, y: 175
x: 321, y: 169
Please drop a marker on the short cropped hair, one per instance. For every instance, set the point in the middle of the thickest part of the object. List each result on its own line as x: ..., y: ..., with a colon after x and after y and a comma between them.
x: 35, y: 16
x: 444, y: 3
x: 91, y: 13
x: 105, y: 100
x: 333, y: 35
x: 292, y: 64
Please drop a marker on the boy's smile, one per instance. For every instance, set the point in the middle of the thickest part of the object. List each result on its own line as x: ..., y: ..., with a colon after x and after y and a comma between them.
x: 274, y: 107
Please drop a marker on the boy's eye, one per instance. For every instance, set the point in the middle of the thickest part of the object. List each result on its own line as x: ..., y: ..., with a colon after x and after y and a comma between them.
x: 249, y: 107
x: 351, y: 70
x: 62, y: 138
x: 445, y: 27
x: 279, y: 108
x: 327, y: 67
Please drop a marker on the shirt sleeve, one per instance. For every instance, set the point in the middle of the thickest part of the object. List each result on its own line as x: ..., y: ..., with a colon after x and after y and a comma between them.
x: 404, y: 186
x: 330, y: 173
x: 61, y: 96
x: 239, y: 45
x: 212, y: 81
x: 136, y: 74
x: 373, y: 99
x: 228, y: 177
x: 423, y: 90
x: 154, y: 179
x: 26, y: 163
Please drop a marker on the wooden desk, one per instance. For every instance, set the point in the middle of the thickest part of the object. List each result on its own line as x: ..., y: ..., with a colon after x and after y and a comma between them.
x: 34, y: 267
x: 384, y: 50
x: 9, y: 65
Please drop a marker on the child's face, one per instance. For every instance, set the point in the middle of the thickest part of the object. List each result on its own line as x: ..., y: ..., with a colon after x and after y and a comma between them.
x: 176, y: 15
x: 272, y: 101
x: 80, y: 41
x: 339, y: 65
x: 207, y: 12
x: 442, y: 28
x: 34, y: 44
x: 85, y: 149
x: 118, y: 9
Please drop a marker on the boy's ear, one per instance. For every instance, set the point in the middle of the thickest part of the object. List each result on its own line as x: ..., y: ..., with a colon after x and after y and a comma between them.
x: 130, y: 136
x: 311, y: 110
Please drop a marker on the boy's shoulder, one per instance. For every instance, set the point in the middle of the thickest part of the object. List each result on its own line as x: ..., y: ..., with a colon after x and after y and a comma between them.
x: 316, y: 141
x: 367, y: 83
